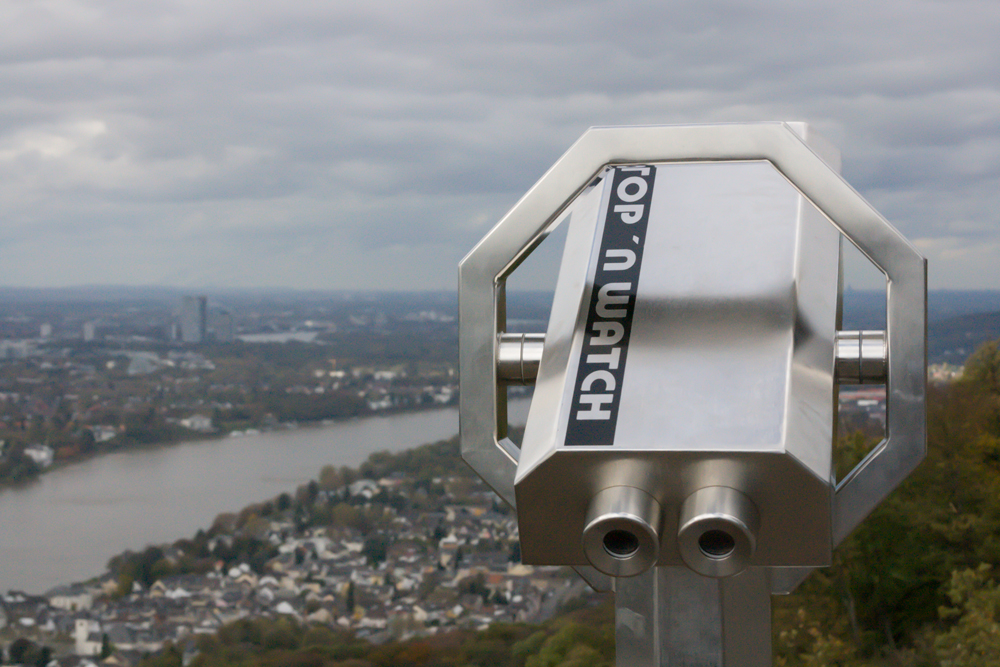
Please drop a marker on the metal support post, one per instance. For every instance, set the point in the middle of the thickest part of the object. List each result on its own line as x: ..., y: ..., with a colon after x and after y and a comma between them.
x: 672, y: 617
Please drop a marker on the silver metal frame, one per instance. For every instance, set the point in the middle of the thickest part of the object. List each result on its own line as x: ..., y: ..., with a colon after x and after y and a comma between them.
x: 483, y: 272
x: 671, y: 616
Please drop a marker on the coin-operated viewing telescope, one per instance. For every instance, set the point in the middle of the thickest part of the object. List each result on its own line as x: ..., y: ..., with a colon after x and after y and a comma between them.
x: 679, y: 443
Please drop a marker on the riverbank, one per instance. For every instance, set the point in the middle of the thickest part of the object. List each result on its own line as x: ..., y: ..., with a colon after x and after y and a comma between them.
x: 65, y: 527
x: 181, y: 435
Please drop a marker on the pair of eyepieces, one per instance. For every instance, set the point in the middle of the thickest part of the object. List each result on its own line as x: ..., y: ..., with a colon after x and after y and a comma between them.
x: 716, y: 537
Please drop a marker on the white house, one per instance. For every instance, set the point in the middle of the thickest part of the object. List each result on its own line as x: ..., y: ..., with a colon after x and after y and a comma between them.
x: 102, y: 432
x: 87, y: 637
x: 40, y: 454
x: 197, y: 423
x: 365, y: 488
x: 70, y: 598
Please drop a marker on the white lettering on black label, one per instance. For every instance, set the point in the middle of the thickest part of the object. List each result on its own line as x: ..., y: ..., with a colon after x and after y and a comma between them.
x: 594, y: 411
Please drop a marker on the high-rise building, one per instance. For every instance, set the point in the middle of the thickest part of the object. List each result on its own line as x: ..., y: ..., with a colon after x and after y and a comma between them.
x: 194, y: 312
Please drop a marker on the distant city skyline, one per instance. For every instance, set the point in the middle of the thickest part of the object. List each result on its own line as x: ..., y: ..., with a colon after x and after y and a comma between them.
x: 370, y: 146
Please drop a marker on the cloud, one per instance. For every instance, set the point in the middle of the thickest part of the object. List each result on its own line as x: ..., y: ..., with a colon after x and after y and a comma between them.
x: 244, y: 142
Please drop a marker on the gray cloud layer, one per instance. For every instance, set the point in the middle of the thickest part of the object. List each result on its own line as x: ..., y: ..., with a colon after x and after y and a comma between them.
x: 345, y: 145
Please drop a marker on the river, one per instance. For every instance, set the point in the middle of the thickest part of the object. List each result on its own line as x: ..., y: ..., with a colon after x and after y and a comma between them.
x: 66, y: 526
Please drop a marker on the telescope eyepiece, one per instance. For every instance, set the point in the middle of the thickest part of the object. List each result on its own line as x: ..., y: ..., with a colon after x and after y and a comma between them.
x: 621, y: 537
x: 717, y: 533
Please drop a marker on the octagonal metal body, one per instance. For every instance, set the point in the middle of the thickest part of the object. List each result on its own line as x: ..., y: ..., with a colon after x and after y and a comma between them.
x: 783, y: 476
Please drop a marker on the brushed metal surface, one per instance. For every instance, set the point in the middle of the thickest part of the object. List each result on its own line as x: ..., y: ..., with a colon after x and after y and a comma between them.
x: 671, y: 616
x: 729, y: 373
x: 518, y: 356
x: 862, y: 357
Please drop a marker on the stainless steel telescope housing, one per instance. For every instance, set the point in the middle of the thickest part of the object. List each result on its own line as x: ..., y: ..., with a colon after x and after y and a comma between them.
x: 684, y: 411
x: 690, y: 356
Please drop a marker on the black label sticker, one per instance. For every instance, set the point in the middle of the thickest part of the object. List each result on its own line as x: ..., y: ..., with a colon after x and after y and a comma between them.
x: 597, y: 392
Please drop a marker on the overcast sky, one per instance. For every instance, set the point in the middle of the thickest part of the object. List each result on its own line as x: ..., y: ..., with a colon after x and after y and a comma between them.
x: 327, y: 144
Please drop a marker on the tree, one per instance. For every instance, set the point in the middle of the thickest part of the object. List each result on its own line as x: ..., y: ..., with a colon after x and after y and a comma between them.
x: 330, y: 478
x: 87, y: 442
x: 18, y: 467
x: 106, y: 647
x: 125, y: 583
x: 43, y: 657
x: 283, y: 634
x: 170, y: 656
x: 376, y: 549
x: 475, y: 585
x: 974, y: 640
x: 983, y: 367
x: 284, y: 502
x: 574, y: 645
x: 19, y: 649
x: 23, y: 651
x: 149, y: 567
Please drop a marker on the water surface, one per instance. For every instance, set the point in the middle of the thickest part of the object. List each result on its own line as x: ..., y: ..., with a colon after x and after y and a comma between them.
x: 66, y: 526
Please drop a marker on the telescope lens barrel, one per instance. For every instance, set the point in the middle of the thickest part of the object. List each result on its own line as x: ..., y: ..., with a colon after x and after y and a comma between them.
x: 621, y: 537
x: 717, y: 536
